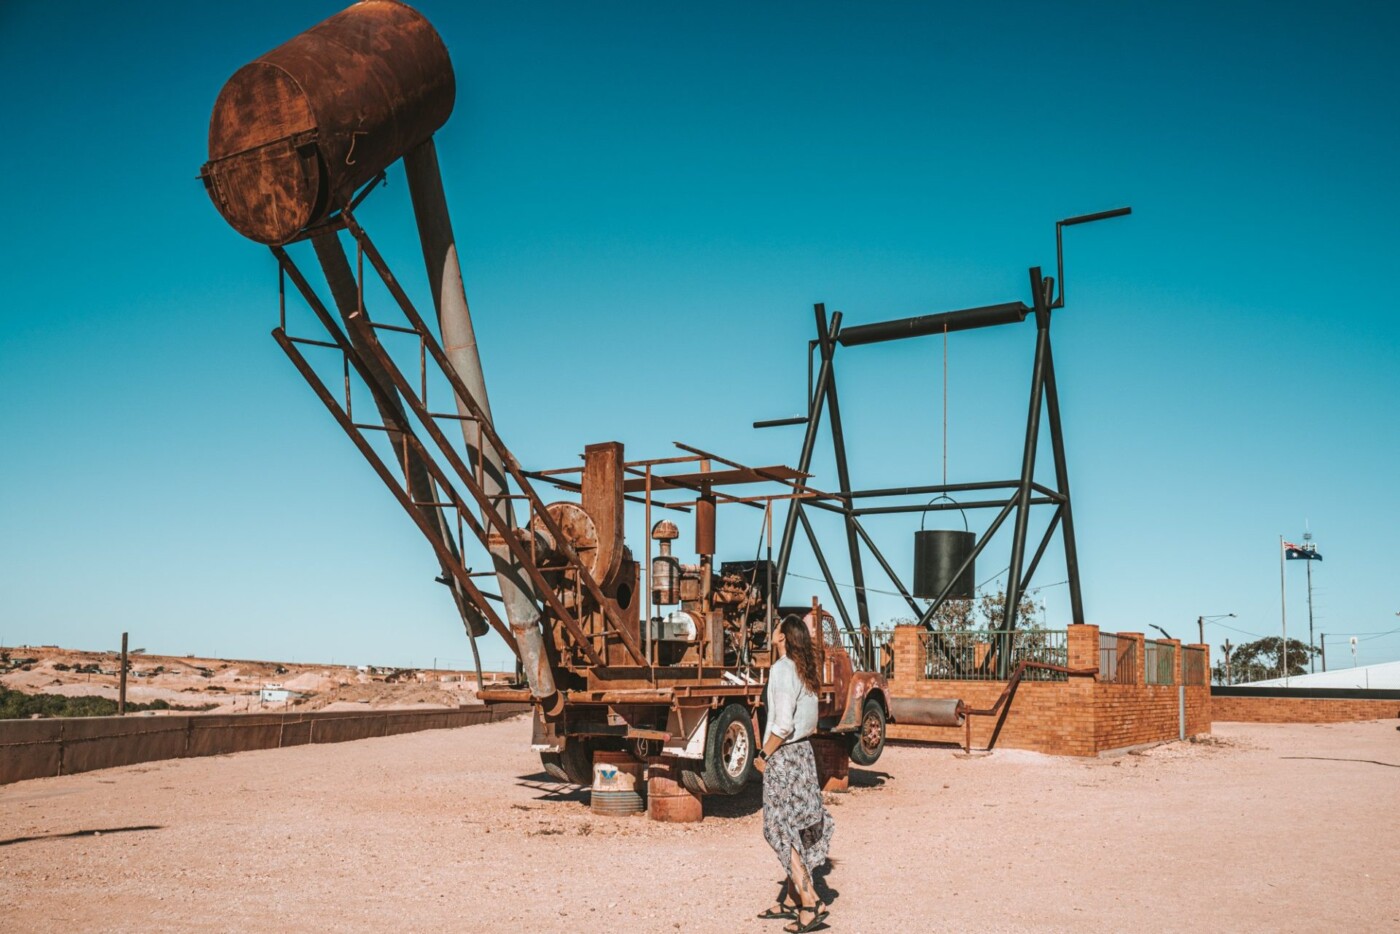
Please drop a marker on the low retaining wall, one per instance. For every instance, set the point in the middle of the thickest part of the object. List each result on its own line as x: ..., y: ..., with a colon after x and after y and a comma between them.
x: 1080, y: 716
x: 1315, y: 705
x: 63, y: 746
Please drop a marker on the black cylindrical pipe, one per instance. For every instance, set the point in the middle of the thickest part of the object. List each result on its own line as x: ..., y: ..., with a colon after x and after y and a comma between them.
x: 965, y: 320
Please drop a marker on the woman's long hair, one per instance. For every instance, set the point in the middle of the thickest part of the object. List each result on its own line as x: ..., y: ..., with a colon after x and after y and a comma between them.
x: 802, y: 652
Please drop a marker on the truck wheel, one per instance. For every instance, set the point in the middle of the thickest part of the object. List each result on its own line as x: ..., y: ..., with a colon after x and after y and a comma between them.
x: 573, y: 763
x: 869, y: 740
x: 729, y: 751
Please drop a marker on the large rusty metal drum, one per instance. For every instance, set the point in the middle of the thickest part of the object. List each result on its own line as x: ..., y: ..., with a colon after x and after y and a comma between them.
x: 668, y: 800
x: 297, y: 131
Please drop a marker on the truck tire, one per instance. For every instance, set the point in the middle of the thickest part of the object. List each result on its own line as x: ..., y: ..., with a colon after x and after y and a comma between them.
x: 573, y: 763
x: 729, y: 752
x: 869, y: 739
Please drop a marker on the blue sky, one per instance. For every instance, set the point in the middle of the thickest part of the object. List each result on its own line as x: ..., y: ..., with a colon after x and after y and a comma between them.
x: 648, y: 199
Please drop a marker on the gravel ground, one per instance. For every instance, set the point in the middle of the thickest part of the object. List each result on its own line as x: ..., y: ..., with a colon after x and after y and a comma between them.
x: 1262, y: 827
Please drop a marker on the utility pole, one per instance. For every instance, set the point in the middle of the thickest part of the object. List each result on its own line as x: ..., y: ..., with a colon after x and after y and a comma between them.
x: 121, y: 688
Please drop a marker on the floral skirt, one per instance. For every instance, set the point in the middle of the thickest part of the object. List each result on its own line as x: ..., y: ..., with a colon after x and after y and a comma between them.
x: 793, y: 816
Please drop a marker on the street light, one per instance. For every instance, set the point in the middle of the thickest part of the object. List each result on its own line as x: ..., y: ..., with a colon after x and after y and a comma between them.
x: 1202, y: 620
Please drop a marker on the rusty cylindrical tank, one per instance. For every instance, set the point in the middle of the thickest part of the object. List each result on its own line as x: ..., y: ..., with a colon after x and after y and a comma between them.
x: 295, y: 132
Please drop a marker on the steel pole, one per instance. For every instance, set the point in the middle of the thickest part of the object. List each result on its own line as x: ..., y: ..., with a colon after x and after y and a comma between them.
x: 843, y: 478
x: 804, y: 461
x: 1283, y: 611
x: 1023, y: 493
x: 121, y: 689
x: 459, y: 344
x: 1057, y: 447
x: 1312, y: 661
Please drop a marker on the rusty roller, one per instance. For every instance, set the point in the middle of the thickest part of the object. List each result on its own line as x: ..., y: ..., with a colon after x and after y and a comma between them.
x: 297, y: 131
x: 926, y: 711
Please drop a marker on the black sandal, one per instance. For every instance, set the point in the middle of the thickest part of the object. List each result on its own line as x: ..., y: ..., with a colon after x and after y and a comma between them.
x: 819, y: 914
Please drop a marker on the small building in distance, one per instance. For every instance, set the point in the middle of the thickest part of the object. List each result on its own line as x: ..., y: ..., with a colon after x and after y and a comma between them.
x: 275, y: 693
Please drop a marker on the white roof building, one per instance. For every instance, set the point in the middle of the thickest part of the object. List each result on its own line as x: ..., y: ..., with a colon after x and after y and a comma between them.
x: 1384, y: 676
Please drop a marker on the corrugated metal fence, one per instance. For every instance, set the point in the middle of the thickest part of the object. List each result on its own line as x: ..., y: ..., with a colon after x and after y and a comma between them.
x: 63, y: 746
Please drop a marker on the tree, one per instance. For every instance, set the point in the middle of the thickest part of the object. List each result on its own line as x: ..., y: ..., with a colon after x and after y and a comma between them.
x: 986, y: 612
x: 1262, y: 659
x: 959, y: 643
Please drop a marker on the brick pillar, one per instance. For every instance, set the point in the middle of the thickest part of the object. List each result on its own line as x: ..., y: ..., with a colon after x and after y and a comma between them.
x: 908, y: 653
x: 1083, y: 646
x: 1200, y: 697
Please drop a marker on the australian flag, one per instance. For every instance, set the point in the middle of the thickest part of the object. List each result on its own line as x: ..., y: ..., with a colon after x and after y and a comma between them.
x: 1307, y: 552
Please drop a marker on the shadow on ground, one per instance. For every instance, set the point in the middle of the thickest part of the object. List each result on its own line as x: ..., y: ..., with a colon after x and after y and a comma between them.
x: 79, y: 833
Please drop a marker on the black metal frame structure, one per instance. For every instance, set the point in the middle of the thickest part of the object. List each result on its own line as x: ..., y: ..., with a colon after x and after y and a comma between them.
x: 1012, y: 496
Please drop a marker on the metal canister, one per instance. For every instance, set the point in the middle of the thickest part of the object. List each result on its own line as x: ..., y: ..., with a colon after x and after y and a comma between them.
x: 295, y: 132
x: 665, y: 580
x: 938, y: 553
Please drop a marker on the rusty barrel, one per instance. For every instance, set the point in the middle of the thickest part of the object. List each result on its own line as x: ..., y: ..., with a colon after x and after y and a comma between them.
x: 833, y: 757
x: 668, y: 799
x: 297, y: 131
x: 617, y: 784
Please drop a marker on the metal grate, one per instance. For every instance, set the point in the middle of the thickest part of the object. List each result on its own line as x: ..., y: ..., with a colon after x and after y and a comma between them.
x: 990, y: 655
x: 882, y: 651
x: 1160, y: 662
x: 1193, y: 666
x: 1117, y: 659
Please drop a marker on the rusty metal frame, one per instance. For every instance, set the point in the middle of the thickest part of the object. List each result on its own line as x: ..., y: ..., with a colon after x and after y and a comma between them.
x: 411, y: 440
x: 508, y: 460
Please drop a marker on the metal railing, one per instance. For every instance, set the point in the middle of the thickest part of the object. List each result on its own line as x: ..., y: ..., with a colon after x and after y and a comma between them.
x: 1193, y: 666
x: 1117, y: 659
x: 1160, y: 658
x: 985, y: 655
x: 881, y: 657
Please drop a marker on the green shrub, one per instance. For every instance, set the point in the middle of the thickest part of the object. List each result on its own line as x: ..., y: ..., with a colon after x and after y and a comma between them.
x: 16, y: 705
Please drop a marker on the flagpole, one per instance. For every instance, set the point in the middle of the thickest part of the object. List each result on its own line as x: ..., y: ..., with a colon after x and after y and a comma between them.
x: 1283, y: 608
x: 1309, y: 548
x: 1312, y: 664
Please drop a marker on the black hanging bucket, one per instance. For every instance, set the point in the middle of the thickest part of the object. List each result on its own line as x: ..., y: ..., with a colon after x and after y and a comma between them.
x: 938, y: 553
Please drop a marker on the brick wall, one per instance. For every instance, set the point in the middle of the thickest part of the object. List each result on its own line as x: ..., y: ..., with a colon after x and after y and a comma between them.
x: 1081, y: 716
x: 1302, y: 709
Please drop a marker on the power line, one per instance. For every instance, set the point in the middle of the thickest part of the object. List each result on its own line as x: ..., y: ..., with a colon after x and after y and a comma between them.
x: 893, y: 593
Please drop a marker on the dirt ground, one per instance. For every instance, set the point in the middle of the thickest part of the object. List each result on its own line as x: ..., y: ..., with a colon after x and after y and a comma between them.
x: 234, y: 686
x: 1263, y: 827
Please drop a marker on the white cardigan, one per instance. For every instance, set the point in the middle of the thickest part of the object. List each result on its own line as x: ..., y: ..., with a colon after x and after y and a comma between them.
x: 792, y: 707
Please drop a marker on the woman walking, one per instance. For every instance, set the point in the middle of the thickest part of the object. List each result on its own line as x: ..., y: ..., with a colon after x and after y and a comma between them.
x: 795, y: 824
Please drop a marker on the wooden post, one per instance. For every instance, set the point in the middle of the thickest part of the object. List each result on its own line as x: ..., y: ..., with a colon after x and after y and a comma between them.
x: 121, y: 689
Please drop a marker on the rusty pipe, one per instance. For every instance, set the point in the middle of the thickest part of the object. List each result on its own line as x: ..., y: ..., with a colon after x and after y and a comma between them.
x: 421, y: 489
x: 459, y: 344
